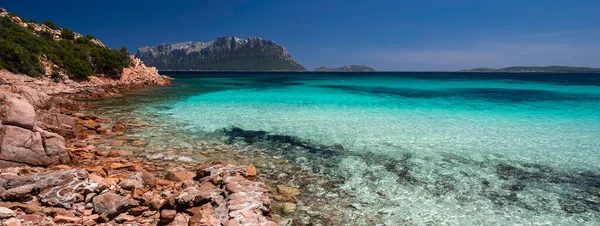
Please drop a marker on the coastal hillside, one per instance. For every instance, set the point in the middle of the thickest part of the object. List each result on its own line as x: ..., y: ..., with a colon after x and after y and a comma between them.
x: 224, y: 53
x: 557, y: 69
x: 45, y: 50
x: 347, y: 68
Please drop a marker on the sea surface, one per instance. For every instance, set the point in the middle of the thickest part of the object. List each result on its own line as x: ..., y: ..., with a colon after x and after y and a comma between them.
x: 395, y: 148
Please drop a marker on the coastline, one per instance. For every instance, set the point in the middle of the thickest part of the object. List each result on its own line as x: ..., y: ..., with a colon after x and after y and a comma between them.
x: 90, y: 185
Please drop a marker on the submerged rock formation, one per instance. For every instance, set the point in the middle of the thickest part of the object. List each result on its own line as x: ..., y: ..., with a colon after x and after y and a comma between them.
x: 224, y: 53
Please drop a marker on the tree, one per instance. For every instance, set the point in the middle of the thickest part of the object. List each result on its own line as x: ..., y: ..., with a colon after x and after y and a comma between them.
x: 67, y: 34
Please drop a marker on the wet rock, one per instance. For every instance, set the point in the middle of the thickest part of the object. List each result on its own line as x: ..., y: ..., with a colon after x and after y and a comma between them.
x: 16, y: 111
x: 251, y: 171
x: 289, y: 207
x: 90, y: 124
x: 112, y: 204
x: 167, y: 216
x: 119, y: 126
x: 114, y: 153
x: 179, y: 176
x: 139, y: 143
x: 6, y: 213
x: 287, y: 191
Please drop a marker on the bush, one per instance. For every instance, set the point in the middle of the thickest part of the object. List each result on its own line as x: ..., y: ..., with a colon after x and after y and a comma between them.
x: 67, y: 34
x: 46, y: 35
x: 50, y: 24
x: 55, y: 76
x: 20, y: 51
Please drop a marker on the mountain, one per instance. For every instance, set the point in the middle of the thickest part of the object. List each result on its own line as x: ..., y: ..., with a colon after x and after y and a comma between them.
x: 536, y: 69
x: 347, y: 68
x: 224, y: 53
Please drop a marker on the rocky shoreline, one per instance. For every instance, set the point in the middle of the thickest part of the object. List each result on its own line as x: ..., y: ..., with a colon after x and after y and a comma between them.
x: 53, y: 173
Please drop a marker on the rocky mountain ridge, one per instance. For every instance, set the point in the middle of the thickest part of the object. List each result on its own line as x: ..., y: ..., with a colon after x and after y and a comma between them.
x: 346, y: 68
x: 224, y: 53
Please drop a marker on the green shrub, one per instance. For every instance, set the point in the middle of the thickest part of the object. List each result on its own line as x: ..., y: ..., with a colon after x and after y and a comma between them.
x: 46, y: 35
x: 55, y: 76
x: 20, y: 51
x: 67, y: 34
x: 50, y: 24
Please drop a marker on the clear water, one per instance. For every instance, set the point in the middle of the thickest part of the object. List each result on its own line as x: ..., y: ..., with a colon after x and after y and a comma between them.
x: 412, y: 148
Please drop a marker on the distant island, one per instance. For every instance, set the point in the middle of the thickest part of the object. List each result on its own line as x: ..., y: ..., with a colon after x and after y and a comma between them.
x: 222, y: 54
x: 347, y: 68
x: 556, y: 69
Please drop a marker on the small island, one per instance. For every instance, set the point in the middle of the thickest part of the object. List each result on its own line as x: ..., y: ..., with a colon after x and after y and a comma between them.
x: 347, y: 68
x: 554, y: 69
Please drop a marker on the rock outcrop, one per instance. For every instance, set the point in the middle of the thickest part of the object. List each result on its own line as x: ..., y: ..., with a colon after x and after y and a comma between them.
x: 22, y: 142
x: 224, y: 53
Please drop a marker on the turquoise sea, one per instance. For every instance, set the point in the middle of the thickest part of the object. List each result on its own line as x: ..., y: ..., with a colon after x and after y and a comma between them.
x: 393, y: 148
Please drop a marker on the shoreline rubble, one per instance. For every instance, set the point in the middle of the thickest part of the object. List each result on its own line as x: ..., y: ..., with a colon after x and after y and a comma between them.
x: 51, y: 172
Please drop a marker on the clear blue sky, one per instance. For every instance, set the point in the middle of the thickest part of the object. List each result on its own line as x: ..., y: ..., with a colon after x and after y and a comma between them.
x: 388, y: 35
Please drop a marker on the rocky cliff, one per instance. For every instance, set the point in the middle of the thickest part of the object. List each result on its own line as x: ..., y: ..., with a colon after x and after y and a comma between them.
x: 224, y: 53
x: 347, y: 68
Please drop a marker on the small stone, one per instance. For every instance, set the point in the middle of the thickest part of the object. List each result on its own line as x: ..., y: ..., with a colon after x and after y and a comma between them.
x: 90, y: 124
x: 112, y: 204
x: 62, y: 167
x: 165, y: 183
x: 179, y: 176
x: 289, y: 207
x: 114, y: 153
x: 156, y: 203
x: 122, y: 218
x: 139, y: 143
x: 130, y: 184
x: 148, y: 178
x: 117, y: 165
x: 66, y: 219
x: 138, y: 210
x: 166, y: 216
x: 287, y: 191
x: 251, y: 171
x: 97, y: 169
x: 18, y: 193
x: 16, y: 222
x: 6, y: 213
x: 119, y: 126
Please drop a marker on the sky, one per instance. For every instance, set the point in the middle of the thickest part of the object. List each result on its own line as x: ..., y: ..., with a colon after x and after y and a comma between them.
x: 400, y: 35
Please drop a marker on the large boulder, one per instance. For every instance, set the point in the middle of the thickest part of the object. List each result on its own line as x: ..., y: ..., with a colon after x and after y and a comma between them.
x: 21, y: 142
x: 19, y: 145
x: 55, y: 146
x: 36, y: 98
x: 17, y: 111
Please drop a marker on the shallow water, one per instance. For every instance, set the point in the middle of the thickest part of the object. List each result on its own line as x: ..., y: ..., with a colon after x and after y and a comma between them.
x: 400, y: 148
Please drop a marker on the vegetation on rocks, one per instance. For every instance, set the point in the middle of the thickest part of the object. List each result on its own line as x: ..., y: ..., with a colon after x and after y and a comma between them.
x: 21, y: 50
